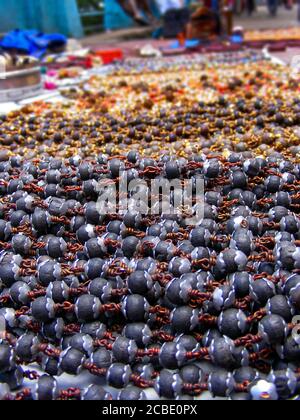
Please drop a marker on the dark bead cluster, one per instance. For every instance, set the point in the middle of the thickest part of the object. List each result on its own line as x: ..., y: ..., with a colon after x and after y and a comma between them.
x: 144, y: 300
x: 235, y: 103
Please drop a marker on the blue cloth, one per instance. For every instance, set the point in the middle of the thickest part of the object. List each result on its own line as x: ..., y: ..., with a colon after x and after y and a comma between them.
x: 32, y: 42
x: 236, y: 39
x: 116, y: 18
x: 48, y: 16
x: 189, y: 43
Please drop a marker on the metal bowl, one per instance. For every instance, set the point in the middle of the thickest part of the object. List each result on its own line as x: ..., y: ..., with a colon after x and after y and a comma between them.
x: 20, y: 84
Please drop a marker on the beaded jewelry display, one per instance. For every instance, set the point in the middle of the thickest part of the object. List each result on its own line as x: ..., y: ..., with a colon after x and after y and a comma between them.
x: 140, y: 301
x: 148, y: 301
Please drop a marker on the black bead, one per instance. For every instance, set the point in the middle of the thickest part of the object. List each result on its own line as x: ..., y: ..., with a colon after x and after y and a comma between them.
x: 27, y: 347
x: 50, y: 366
x: 172, y: 355
x: 131, y: 393
x: 48, y: 271
x: 95, y: 393
x: 279, y: 305
x: 135, y: 308
x: 118, y: 375
x: 187, y: 341
x: 13, y: 378
x: 261, y: 290
x: 177, y: 291
x: 87, y: 308
x: 221, y: 352
x: 95, y: 329
x: 233, y: 323
x: 102, y: 358
x: 58, y: 291
x: 192, y: 374
x: 168, y: 384
x: 129, y: 246
x: 124, y: 350
x: 71, y: 361
x: 231, y: 261
x: 99, y: 288
x: 273, y: 329
x: 221, y: 383
x: 82, y: 342
x: 9, y: 273
x: 139, y: 282
x: 172, y: 170
x: 285, y: 382
x: 94, y: 268
x: 223, y: 297
x: 7, y: 358
x: 290, y: 350
x: 46, y: 389
x: 139, y: 332
x: 54, y: 330
x: 56, y: 247
x: 209, y: 336
x: 19, y: 293
x: 43, y: 309
x: 244, y: 374
x: 240, y: 283
x: 184, y: 319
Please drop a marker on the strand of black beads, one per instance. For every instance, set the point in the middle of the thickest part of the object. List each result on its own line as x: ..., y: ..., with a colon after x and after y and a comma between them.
x: 226, y: 278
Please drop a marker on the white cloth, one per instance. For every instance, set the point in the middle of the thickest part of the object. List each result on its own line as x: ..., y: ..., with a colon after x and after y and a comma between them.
x: 165, y: 5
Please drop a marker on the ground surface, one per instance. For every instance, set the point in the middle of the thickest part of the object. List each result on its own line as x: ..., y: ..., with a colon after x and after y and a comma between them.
x: 262, y: 20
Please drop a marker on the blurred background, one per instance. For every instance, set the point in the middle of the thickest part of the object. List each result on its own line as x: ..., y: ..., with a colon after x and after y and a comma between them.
x: 56, y: 42
x: 77, y: 18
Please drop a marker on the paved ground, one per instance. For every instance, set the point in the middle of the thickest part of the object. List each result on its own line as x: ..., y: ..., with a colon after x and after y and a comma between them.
x: 262, y: 20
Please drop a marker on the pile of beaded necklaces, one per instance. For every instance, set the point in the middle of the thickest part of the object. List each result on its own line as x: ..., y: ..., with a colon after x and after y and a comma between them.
x: 148, y: 302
